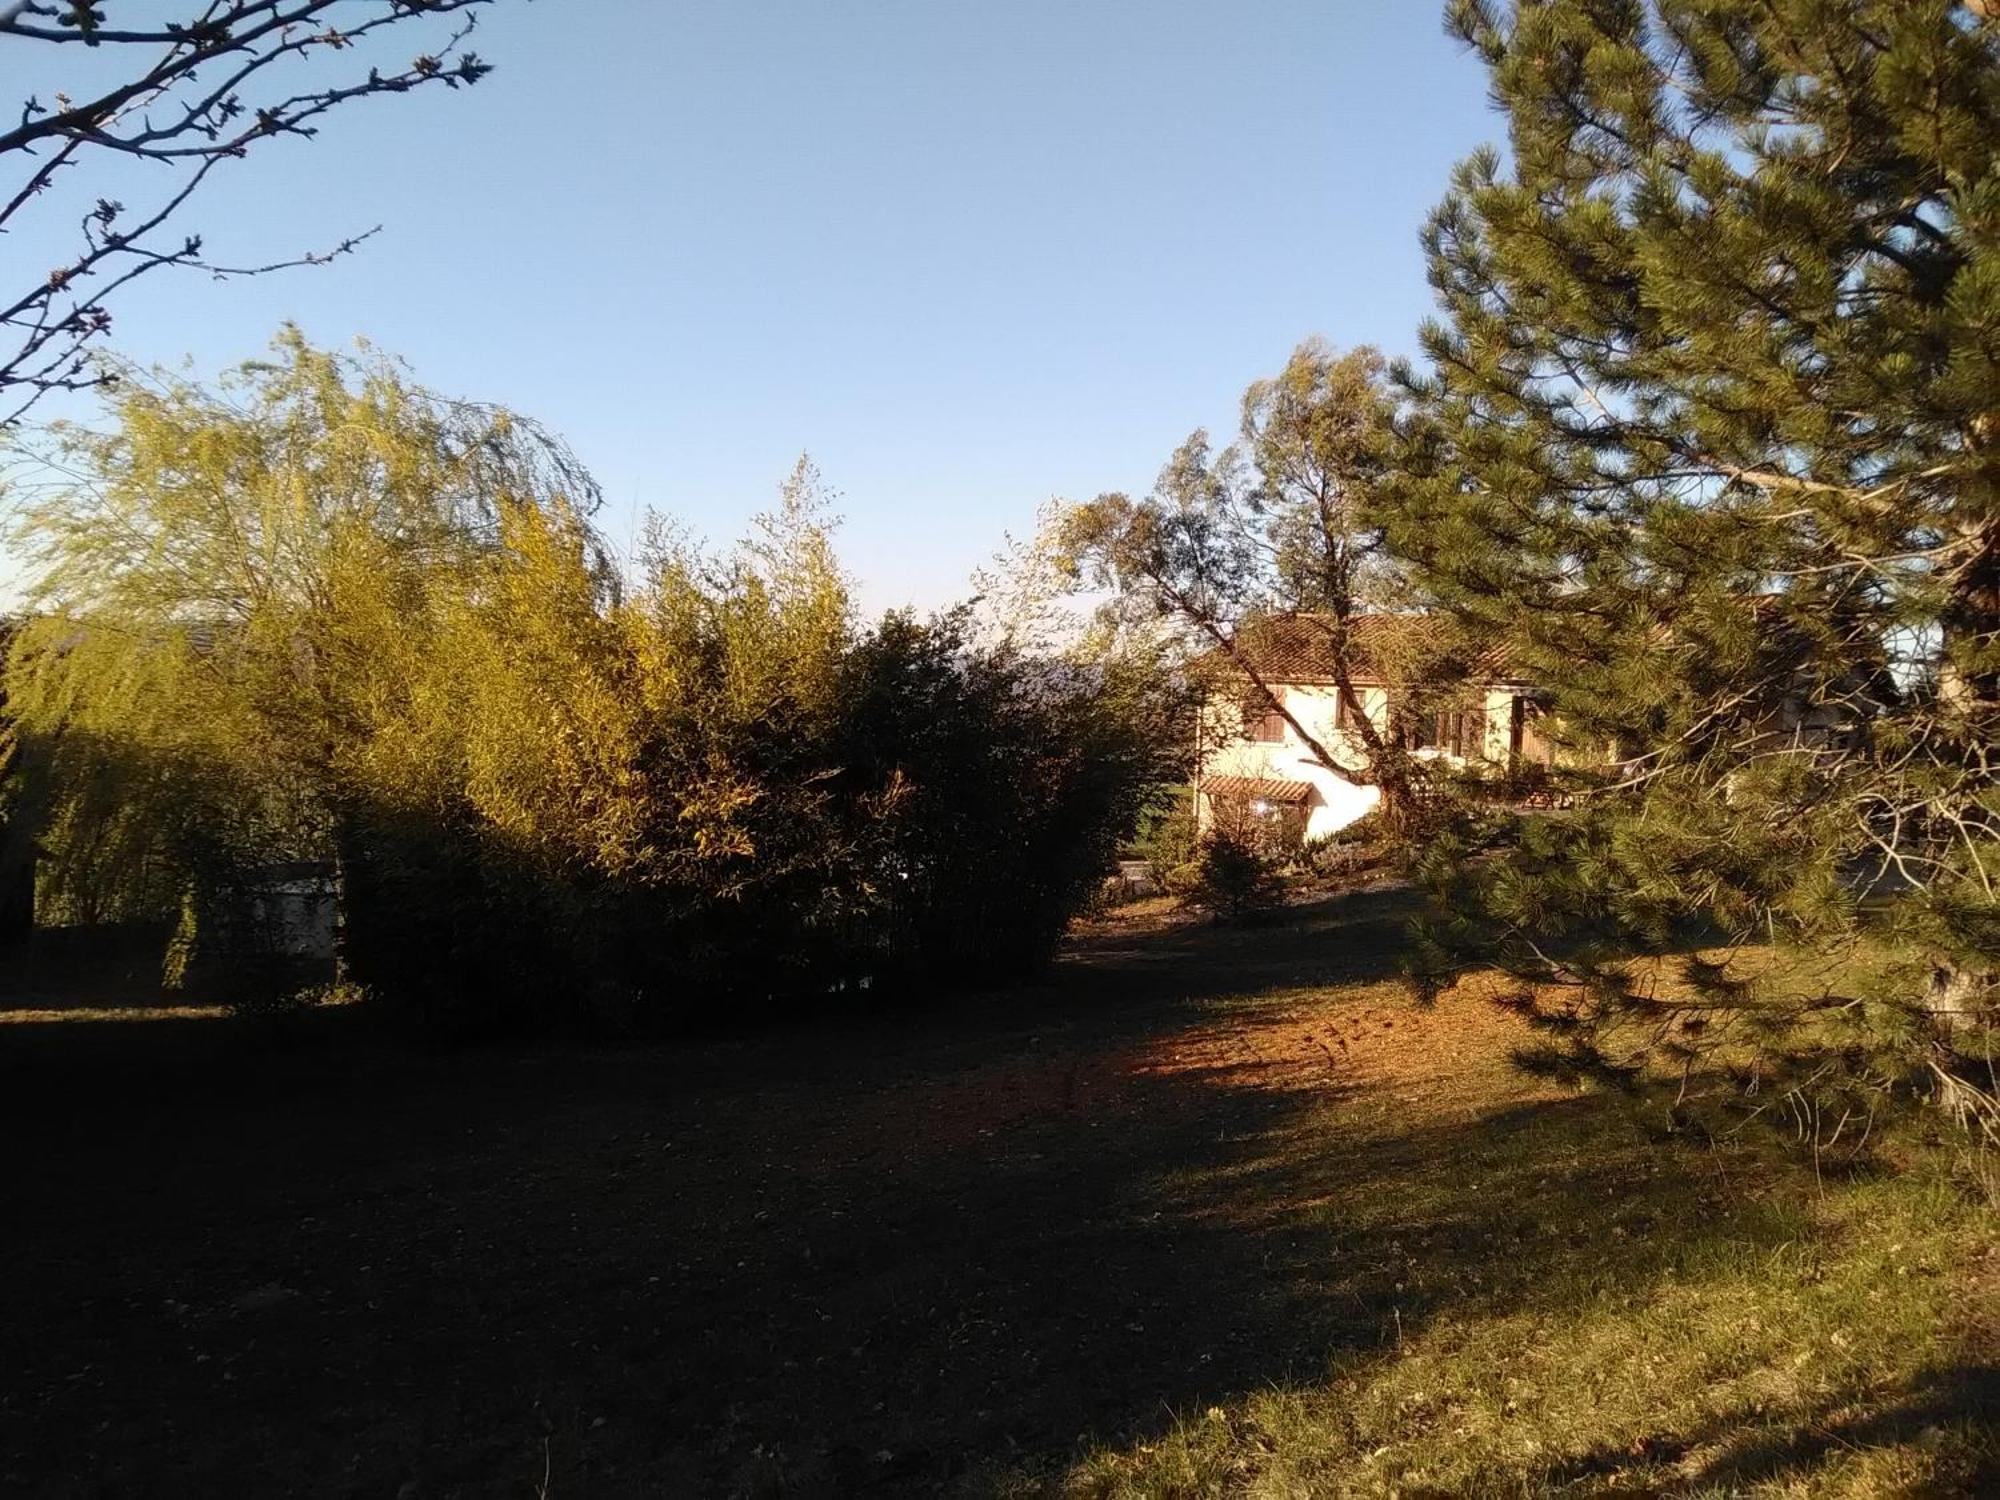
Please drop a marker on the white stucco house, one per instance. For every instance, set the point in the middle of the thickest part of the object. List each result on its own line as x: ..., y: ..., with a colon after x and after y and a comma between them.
x: 1257, y: 765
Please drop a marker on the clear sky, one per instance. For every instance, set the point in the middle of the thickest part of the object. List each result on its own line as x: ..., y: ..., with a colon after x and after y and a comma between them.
x: 968, y: 254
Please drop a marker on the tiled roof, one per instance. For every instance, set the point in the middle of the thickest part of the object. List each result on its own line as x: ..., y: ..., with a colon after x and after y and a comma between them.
x: 1257, y: 788
x: 1299, y: 648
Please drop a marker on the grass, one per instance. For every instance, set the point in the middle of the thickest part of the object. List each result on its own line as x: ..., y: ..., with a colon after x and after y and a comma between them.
x: 1606, y: 1322
x: 1211, y: 1212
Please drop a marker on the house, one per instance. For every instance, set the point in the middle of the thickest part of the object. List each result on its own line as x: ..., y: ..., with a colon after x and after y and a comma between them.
x: 1256, y: 767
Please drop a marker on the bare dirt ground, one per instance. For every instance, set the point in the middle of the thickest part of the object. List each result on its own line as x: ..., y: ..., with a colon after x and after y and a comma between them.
x: 895, y: 1254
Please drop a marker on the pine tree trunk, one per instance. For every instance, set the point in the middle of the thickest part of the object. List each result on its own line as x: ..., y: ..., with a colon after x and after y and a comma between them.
x: 1959, y: 1001
x: 1959, y: 1006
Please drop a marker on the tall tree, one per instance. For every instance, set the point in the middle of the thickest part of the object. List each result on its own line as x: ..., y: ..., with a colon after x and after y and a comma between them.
x: 1279, y: 532
x: 1711, y: 434
x: 326, y: 616
x: 183, y: 94
x: 229, y: 593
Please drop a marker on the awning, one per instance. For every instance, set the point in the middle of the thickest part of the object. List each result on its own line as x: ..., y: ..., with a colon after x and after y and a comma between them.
x: 1257, y: 789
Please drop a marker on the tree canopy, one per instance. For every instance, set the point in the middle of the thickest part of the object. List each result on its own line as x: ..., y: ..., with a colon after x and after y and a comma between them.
x: 1280, y: 530
x: 325, y: 617
x: 1709, y: 432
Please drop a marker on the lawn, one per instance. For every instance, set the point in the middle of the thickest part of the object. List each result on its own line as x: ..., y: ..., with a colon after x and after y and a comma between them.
x: 1209, y: 1212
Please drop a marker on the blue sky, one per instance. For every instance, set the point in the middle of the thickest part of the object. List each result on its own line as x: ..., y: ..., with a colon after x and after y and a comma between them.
x: 969, y: 255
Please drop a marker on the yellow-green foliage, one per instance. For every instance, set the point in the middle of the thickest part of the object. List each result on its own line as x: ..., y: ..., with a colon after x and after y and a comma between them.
x: 325, y: 615
x: 604, y: 734
x: 242, y: 590
x: 323, y: 588
x: 523, y: 707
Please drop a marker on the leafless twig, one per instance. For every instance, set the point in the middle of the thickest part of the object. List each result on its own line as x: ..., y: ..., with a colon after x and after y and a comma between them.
x: 199, y: 91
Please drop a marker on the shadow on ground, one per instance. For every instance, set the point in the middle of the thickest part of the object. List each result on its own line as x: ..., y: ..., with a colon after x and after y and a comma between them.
x: 901, y: 1257
x: 1748, y: 1446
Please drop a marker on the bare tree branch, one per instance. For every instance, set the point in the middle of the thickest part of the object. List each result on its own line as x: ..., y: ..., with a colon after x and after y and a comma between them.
x: 200, y: 91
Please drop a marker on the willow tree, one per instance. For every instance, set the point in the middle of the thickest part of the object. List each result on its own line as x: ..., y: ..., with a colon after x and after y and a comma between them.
x: 1710, y: 433
x: 228, y: 591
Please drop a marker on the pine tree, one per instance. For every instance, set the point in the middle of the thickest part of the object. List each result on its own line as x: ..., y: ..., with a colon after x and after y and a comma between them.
x: 1711, y: 433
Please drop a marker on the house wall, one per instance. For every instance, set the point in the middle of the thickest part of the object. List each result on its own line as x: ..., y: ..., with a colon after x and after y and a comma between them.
x: 1335, y: 802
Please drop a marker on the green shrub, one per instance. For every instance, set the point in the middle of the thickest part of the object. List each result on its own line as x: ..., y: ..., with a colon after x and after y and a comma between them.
x: 1328, y: 856
x: 1167, y: 837
x: 1366, y: 829
x: 553, y: 797
x: 1232, y: 880
x: 1346, y: 852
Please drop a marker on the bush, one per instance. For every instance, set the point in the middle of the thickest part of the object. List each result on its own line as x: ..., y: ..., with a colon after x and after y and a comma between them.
x: 794, y: 810
x: 553, y: 796
x: 1167, y: 837
x: 995, y: 788
x: 1327, y: 856
x: 929, y: 822
x: 1364, y: 830
x: 1346, y: 852
x: 1232, y: 880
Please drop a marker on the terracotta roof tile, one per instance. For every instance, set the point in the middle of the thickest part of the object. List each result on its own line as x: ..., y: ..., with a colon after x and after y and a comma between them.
x: 1299, y: 647
x: 1257, y: 788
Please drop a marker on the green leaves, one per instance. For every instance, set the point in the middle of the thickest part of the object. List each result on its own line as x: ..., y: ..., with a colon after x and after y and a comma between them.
x: 326, y: 617
x: 1708, y: 436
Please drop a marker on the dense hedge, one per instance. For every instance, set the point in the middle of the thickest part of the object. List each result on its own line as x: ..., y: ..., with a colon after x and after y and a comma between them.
x: 956, y: 810
x: 329, y: 621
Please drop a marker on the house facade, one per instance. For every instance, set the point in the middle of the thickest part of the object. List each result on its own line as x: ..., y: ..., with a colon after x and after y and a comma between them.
x: 1256, y: 768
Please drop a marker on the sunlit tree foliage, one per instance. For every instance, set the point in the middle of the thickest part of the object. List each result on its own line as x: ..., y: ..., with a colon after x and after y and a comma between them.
x: 325, y: 617
x: 1710, y: 433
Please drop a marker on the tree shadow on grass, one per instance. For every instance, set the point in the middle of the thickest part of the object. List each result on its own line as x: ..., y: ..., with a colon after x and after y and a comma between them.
x: 906, y: 1256
x: 1763, y: 1445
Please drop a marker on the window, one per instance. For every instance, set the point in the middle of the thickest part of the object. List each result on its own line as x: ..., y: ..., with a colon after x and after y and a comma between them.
x: 1268, y: 728
x: 1420, y: 732
x: 1449, y: 729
